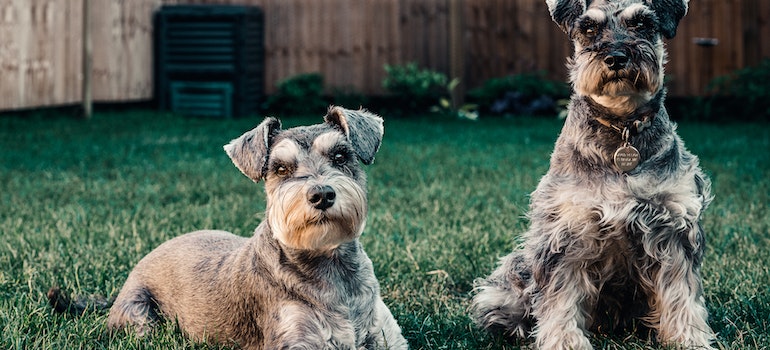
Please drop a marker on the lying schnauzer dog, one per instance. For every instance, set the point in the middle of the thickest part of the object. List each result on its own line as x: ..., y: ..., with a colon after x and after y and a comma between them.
x: 615, y: 236
x: 302, y: 280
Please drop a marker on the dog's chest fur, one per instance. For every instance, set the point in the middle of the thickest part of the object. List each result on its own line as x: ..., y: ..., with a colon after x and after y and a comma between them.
x: 609, y: 219
x: 307, y: 290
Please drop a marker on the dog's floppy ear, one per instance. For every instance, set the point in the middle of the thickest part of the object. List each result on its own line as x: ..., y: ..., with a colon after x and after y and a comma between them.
x: 363, y: 129
x: 250, y: 151
x: 565, y: 12
x: 669, y: 13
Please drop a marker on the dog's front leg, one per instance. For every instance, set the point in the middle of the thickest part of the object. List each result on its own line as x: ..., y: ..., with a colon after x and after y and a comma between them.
x: 304, y: 327
x: 683, y: 314
x: 678, y: 305
x: 673, y: 242
x: 387, y: 333
x: 561, y: 307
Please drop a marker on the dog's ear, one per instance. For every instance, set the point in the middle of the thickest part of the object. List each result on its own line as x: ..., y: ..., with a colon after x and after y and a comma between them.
x: 669, y: 13
x: 364, y: 130
x: 566, y: 12
x: 250, y: 151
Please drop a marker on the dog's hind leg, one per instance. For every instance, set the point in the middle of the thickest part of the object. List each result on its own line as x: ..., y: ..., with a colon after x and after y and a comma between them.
x: 503, y: 302
x: 134, y: 308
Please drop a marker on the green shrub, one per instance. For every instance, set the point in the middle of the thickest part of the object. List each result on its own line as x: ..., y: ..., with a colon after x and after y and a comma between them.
x: 526, y: 93
x: 744, y: 94
x: 451, y: 107
x: 414, y: 90
x: 298, y: 95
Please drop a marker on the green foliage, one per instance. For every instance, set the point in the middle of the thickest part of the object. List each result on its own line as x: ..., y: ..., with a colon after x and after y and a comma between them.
x: 526, y: 93
x: 298, y: 95
x: 415, y: 90
x: 745, y: 93
x: 82, y: 202
x: 449, y: 106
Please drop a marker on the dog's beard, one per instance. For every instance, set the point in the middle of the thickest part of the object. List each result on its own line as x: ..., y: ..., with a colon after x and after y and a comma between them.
x: 623, y: 91
x: 297, y: 224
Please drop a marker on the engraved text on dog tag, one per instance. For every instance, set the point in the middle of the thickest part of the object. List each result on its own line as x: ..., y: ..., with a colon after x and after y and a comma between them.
x: 626, y: 157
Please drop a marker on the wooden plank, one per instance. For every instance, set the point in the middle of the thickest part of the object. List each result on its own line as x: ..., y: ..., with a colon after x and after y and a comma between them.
x: 87, y: 44
x: 438, y: 47
x: 456, y: 51
x: 727, y: 26
x: 677, y: 68
x: 699, y: 58
x: 478, y: 25
x: 762, y: 17
x: 750, y: 30
x: 122, y: 59
x: 405, y: 24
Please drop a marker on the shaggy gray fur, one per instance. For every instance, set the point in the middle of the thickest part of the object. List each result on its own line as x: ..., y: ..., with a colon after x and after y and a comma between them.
x: 608, y: 250
x: 303, y: 280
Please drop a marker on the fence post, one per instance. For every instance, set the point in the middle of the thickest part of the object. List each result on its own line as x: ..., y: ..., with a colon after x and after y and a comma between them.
x: 457, y: 51
x: 87, y: 60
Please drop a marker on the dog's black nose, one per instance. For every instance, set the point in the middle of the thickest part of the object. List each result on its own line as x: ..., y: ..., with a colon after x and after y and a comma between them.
x: 321, y: 196
x: 616, y: 60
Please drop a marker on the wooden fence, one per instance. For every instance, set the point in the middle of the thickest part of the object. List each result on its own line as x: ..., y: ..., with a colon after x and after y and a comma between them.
x: 348, y: 41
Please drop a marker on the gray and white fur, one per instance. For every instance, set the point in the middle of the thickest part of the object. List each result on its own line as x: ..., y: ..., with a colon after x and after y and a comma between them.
x: 609, y: 250
x: 303, y: 280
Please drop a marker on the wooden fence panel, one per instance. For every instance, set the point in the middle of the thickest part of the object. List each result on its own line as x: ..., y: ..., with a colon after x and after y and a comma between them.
x: 348, y: 42
x: 122, y: 39
x: 423, y: 27
x: 507, y: 37
x: 692, y: 66
x: 34, y: 69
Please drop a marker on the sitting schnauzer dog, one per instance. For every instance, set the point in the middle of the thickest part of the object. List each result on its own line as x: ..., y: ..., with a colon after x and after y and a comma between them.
x: 303, y: 279
x: 615, y: 240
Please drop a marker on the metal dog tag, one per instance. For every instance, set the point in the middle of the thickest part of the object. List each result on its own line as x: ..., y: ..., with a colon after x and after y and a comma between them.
x: 626, y: 158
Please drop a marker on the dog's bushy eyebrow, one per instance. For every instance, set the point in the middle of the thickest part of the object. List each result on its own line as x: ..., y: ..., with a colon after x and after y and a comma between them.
x: 284, y: 151
x: 635, y: 11
x: 595, y: 15
x: 329, y: 141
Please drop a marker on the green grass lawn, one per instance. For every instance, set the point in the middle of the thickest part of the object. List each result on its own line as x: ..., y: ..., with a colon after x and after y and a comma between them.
x: 82, y: 201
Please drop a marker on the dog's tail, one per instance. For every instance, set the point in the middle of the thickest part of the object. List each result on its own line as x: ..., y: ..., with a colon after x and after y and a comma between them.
x: 62, y: 303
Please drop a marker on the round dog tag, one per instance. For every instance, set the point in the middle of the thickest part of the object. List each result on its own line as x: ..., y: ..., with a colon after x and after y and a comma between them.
x: 626, y: 158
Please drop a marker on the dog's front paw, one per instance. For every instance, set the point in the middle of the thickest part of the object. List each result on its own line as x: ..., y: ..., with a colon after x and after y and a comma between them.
x: 702, y: 342
x: 502, y: 311
x: 563, y: 340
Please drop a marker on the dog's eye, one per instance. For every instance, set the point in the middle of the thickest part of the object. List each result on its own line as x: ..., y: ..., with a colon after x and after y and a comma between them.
x: 589, y: 28
x: 639, y: 22
x: 282, y: 170
x: 339, y: 158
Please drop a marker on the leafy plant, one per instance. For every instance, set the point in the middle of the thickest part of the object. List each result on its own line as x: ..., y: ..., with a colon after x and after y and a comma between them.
x: 414, y: 89
x: 520, y: 94
x: 298, y: 95
x: 452, y: 107
x: 744, y: 93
